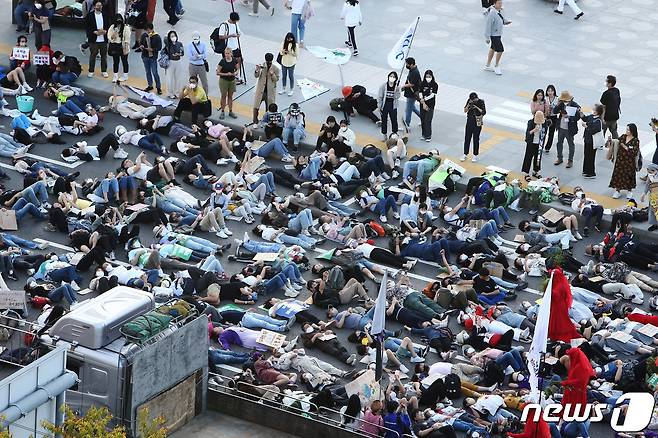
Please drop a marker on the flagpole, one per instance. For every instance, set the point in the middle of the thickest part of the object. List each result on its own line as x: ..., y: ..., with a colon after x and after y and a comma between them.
x: 413, y: 35
x: 244, y: 74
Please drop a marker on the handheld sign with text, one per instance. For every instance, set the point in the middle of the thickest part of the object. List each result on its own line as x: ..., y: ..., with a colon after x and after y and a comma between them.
x: 13, y: 299
x: 41, y: 58
x: 21, y: 53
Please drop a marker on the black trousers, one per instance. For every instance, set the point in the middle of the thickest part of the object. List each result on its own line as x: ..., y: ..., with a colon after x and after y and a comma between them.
x: 589, y: 157
x: 389, y: 112
x: 472, y: 133
x: 551, y: 133
x: 620, y: 218
x: 107, y: 142
x: 531, y: 157
x: 105, y: 284
x: 426, y: 121
x: 351, y: 38
x: 115, y: 63
x: 203, y: 108
x: 381, y: 255
x: 170, y: 9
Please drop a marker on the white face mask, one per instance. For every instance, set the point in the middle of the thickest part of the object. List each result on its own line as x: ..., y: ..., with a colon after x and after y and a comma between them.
x: 428, y: 78
x: 193, y: 86
x: 38, y: 5
x: 391, y: 79
x: 196, y: 40
x: 308, y: 330
x: 174, y: 39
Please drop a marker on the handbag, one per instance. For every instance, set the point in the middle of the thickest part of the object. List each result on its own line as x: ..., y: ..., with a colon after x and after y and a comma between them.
x: 599, y: 138
x: 115, y: 49
x: 279, y: 58
x: 163, y: 60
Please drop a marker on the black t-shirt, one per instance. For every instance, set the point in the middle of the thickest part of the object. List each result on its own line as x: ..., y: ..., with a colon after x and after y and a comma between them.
x: 228, y: 67
x: 611, y: 99
x: 427, y: 89
x: 484, y: 286
x: 231, y: 291
x: 413, y: 78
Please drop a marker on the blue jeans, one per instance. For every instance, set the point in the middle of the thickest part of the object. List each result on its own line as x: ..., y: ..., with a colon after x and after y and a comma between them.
x: 109, y: 187
x: 267, y: 179
x: 288, y: 72
x: 298, y: 134
x: 151, y: 142
x: 275, y: 145
x: 302, y: 221
x: 291, y: 272
x: 20, y: 16
x: 500, y: 215
x: 592, y: 212
x: 199, y: 244
x: 301, y: 240
x: 255, y: 320
x: 488, y: 229
x: 252, y: 246
x: 36, y: 193
x: 66, y: 275
x: 575, y: 429
x: 311, y: 171
x: 463, y: 426
x: 65, y: 291
x: 169, y: 207
x: 417, y: 167
x: 69, y: 108
x: 127, y: 183
x: 212, y: 264
x: 409, y: 108
x: 340, y: 208
x: 502, y: 283
x: 409, y: 212
x: 510, y: 358
x: 179, y: 7
x: 64, y: 78
x: 23, y: 208
x: 347, y: 171
x: 151, y: 68
x: 227, y: 357
x: 384, y: 205
x: 11, y: 240
x: 296, y: 23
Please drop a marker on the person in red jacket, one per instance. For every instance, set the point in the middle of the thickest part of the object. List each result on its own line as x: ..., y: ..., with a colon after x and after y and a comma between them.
x: 560, y: 326
x: 533, y: 429
x: 580, y: 373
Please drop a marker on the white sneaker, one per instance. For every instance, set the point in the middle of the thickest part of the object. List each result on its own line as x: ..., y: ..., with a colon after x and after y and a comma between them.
x: 291, y: 92
x: 474, y: 159
x: 383, y: 219
x: 21, y: 90
x: 498, y: 70
x: 397, y: 162
x: 395, y: 174
x: 75, y: 286
x: 105, y: 75
x: 463, y: 158
x: 417, y: 359
x: 385, y: 176
x: 221, y: 234
x: 396, y: 215
x: 616, y: 195
x: 233, y: 159
x: 403, y: 369
x: 487, y: 68
x: 578, y: 236
x: 227, y: 231
x: 286, y: 159
x: 629, y: 195
x: 120, y: 154
x: 27, y: 87
x: 90, y: 75
x: 306, y: 233
x: 280, y: 91
x: 124, y: 77
x: 115, y: 77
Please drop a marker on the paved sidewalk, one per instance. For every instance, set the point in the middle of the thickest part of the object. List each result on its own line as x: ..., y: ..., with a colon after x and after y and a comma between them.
x: 449, y: 41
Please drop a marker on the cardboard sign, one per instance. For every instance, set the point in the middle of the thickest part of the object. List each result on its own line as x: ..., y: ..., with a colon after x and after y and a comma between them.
x: 495, y: 268
x: 327, y: 337
x: 21, y: 53
x: 519, y: 238
x: 553, y: 216
x: 8, y: 220
x: 265, y: 257
x: 13, y: 299
x: 366, y: 387
x: 621, y: 337
x: 271, y: 339
x: 596, y: 279
x: 41, y: 58
x: 648, y: 330
x: 137, y: 207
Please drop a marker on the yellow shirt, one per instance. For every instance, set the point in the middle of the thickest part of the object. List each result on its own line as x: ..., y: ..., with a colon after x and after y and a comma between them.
x: 199, y: 93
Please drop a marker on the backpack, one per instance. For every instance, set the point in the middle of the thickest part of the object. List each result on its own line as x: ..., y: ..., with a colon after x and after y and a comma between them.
x: 453, y: 386
x: 493, y: 373
x: 566, y: 198
x: 72, y: 64
x: 337, y: 104
x: 481, y: 192
x: 443, y: 341
x: 371, y: 151
x: 218, y: 44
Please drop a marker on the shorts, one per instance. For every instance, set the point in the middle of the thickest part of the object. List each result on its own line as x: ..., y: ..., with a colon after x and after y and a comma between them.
x: 6, y: 83
x: 237, y: 53
x: 226, y: 86
x: 497, y: 44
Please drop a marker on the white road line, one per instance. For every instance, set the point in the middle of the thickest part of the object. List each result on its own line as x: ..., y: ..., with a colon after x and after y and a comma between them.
x: 229, y: 368
x: 505, y: 122
x: 511, y: 114
x: 55, y: 244
x: 7, y: 166
x: 519, y: 106
x: 56, y: 162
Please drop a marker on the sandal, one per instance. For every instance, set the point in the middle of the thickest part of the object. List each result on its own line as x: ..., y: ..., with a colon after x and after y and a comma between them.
x: 527, y: 178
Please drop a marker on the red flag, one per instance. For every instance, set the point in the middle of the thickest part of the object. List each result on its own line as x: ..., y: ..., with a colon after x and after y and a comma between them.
x: 560, y: 327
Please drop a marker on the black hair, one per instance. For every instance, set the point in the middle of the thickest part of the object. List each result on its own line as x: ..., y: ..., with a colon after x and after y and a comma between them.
x: 484, y: 272
x: 330, y: 119
x: 21, y: 37
x: 353, y: 338
x: 344, y: 122
x: 410, y: 61
x: 257, y: 231
x: 473, y: 95
x: 550, y: 87
x: 361, y: 349
x: 234, y: 16
x: 391, y: 406
x: 148, y: 26
x: 287, y: 44
x: 539, y: 90
x: 612, y: 80
x: 353, y: 408
x: 523, y: 224
x: 273, y: 107
x: 269, y: 57
x: 633, y: 128
x: 352, y: 2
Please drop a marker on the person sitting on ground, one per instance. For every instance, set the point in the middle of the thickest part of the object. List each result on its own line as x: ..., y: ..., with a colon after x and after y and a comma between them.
x: 194, y: 99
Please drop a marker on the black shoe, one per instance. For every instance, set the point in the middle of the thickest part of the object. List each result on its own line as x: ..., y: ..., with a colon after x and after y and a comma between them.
x: 149, y: 88
x: 578, y: 16
x: 159, y: 91
x: 558, y: 12
x: 521, y: 286
x: 586, y: 232
x: 653, y: 228
x: 138, y: 50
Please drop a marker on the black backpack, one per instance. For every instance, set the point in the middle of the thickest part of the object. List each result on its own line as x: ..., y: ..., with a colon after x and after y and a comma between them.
x: 493, y: 373
x: 371, y: 151
x: 443, y: 342
x: 337, y: 104
x: 219, y: 44
x: 72, y: 64
x: 453, y: 386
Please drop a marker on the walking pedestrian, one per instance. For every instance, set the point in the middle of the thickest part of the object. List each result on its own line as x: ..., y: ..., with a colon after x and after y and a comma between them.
x: 427, y: 96
x: 611, y: 101
x: 97, y: 24
x: 226, y: 70
x: 136, y: 12
x: 169, y: 7
x: 475, y: 110
x: 175, y: 74
x: 568, y: 112
x: 301, y: 12
x: 254, y: 11
x: 552, y: 100
x: 150, y: 46
x: 198, y: 60
x: 493, y: 33
x: 411, y: 88
x: 351, y: 16
x: 486, y: 4
x: 118, y: 37
x: 387, y: 101
x: 572, y: 4
x: 623, y: 174
x: 593, y: 129
x: 288, y: 54
x: 268, y: 75
x: 535, y: 135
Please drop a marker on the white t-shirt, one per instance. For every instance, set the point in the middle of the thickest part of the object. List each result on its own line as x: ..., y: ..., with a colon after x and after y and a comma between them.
x: 269, y: 234
x: 440, y: 368
x: 99, y: 25
x: 86, y: 118
x: 365, y: 249
x: 141, y: 173
x: 233, y: 28
x: 297, y: 6
x: 125, y: 274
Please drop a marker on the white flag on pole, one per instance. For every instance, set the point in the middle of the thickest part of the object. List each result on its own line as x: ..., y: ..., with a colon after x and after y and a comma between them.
x: 400, y: 50
x: 539, y: 341
x: 379, y: 318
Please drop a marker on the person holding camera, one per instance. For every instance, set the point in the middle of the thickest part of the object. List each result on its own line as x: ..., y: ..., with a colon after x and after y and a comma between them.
x: 267, y: 75
x: 475, y: 110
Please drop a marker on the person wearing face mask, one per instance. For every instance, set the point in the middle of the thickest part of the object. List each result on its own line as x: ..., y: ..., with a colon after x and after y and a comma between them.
x: 475, y: 110
x: 411, y: 89
x: 175, y: 74
x: 267, y: 75
x: 193, y: 98
x: 40, y: 17
x: 24, y: 64
x: 288, y: 55
x: 427, y: 94
x: 118, y: 36
x: 150, y: 45
x: 96, y: 26
x: 198, y: 57
x: 389, y: 94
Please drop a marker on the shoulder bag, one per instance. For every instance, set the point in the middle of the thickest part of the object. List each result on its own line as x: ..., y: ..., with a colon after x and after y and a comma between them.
x: 205, y: 62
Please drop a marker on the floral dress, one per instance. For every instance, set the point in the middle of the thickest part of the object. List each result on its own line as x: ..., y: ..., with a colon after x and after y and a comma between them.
x: 623, y: 174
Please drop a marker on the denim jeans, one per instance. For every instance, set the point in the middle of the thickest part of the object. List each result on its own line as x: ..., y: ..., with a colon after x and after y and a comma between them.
x: 255, y: 320
x: 36, y: 193
x: 151, y: 142
x: 275, y: 145
x: 564, y: 237
x: 291, y: 272
x: 298, y: 134
x: 67, y: 275
x: 297, y: 23
x: 409, y: 212
x: 502, y: 283
x: 489, y: 229
x: 384, y: 205
x: 302, y: 221
x: 510, y: 358
x: 64, y: 292
x: 199, y: 244
x: 227, y: 357
x: 409, y: 108
x: 592, y: 212
x: 70, y: 108
x: 267, y: 179
x: 561, y: 135
x: 347, y: 171
x: 169, y: 207
x: 288, y: 72
x: 499, y: 214
x: 23, y: 208
x: 340, y: 208
x: 127, y: 183
x: 151, y: 68
x: 301, y: 240
x: 575, y: 429
x: 252, y: 246
x: 109, y: 187
x: 20, y: 16
x: 11, y: 240
x: 212, y: 264
x: 64, y: 78
x: 311, y: 171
